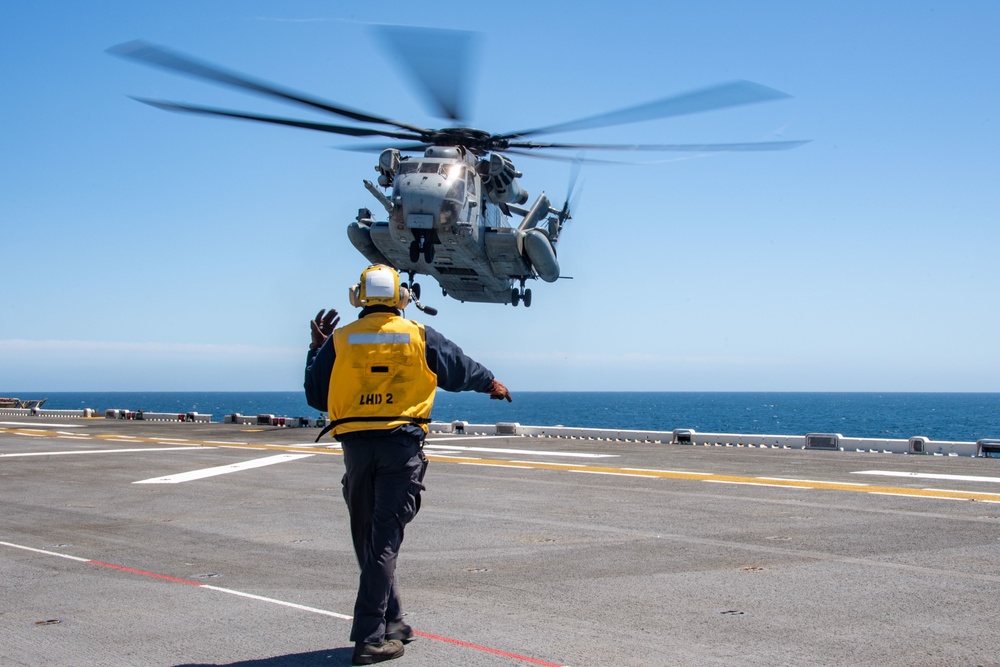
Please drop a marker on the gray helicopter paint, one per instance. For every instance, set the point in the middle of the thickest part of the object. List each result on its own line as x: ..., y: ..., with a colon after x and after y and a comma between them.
x: 458, y: 250
x: 443, y: 202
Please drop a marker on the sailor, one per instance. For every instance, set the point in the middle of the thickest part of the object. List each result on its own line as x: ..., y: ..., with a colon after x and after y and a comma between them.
x: 376, y: 377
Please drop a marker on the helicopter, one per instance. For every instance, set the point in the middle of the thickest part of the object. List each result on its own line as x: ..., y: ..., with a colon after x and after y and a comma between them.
x: 450, y: 208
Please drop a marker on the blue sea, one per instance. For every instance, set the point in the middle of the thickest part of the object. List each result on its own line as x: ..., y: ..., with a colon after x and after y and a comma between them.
x: 940, y: 416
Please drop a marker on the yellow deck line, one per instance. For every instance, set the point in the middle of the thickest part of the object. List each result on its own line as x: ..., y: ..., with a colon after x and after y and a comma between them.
x: 734, y: 479
x: 850, y: 487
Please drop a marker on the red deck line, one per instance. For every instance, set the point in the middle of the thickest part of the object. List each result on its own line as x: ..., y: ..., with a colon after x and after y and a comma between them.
x: 176, y: 580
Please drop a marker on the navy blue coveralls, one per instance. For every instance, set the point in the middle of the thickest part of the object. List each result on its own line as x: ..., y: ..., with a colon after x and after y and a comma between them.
x: 384, y: 477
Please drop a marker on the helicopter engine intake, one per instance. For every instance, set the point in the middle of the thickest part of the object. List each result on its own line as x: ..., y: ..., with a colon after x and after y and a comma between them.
x: 500, y: 180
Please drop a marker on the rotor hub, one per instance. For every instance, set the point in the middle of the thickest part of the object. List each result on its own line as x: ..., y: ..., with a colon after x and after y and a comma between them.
x: 478, y: 142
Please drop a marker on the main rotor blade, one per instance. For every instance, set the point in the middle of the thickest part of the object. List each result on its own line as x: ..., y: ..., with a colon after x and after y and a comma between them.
x: 697, y: 148
x: 375, y: 148
x: 158, y: 56
x: 439, y: 61
x: 724, y: 95
x: 322, y: 127
x: 566, y: 158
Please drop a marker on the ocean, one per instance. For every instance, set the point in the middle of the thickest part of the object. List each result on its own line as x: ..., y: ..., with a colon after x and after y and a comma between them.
x: 939, y: 416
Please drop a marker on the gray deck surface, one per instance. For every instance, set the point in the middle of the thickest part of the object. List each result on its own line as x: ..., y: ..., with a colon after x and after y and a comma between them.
x: 570, y: 557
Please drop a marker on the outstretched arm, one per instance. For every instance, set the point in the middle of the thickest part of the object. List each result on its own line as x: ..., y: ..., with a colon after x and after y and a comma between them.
x: 456, y: 371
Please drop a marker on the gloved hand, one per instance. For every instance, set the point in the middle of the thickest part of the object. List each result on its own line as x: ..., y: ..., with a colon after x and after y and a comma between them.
x: 322, y: 327
x: 499, y: 392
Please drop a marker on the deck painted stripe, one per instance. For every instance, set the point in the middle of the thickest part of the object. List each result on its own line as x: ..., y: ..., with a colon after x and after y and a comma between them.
x: 453, y: 438
x: 494, y: 450
x: 45, y: 552
x: 927, y: 475
x: 665, y: 474
x: 223, y: 470
x: 757, y: 481
x: 22, y: 424
x: 806, y: 481
x: 283, y: 603
x: 620, y: 474
x: 100, y: 451
x: 486, y: 649
x: 748, y: 483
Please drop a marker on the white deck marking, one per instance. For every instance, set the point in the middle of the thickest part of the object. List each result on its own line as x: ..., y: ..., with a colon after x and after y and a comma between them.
x: 927, y: 475
x: 103, y: 451
x: 46, y: 552
x: 283, y: 603
x: 222, y: 470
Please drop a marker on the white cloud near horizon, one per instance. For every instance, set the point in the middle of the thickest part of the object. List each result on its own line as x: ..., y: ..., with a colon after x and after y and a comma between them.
x: 78, y: 365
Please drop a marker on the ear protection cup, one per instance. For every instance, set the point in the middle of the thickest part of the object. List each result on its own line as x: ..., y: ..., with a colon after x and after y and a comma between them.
x: 404, y: 298
x: 354, y: 296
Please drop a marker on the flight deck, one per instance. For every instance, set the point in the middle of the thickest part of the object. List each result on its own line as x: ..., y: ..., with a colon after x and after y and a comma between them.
x: 142, y: 542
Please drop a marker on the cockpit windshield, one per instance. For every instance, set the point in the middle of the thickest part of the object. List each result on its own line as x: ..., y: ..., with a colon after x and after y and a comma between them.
x: 408, y: 167
x: 455, y: 175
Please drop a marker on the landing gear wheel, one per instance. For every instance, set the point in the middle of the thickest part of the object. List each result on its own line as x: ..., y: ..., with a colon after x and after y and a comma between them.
x: 428, y: 251
x: 515, y: 297
x: 415, y: 290
x: 527, y: 298
x: 414, y: 251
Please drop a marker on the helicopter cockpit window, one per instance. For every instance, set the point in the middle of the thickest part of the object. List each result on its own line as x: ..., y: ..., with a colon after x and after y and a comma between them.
x: 408, y: 168
x: 429, y: 167
x: 456, y: 176
x: 470, y: 181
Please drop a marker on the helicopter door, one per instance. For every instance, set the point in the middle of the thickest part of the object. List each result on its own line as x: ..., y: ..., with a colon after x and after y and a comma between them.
x: 453, y: 209
x: 472, y: 199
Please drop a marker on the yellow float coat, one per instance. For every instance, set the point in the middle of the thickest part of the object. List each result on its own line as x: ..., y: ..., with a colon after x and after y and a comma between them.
x: 380, y: 377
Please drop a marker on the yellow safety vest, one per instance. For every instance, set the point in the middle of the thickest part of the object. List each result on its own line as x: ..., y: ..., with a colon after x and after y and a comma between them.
x: 380, y: 377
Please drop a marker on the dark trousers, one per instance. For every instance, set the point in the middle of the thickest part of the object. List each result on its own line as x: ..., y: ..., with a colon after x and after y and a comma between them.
x: 382, y: 488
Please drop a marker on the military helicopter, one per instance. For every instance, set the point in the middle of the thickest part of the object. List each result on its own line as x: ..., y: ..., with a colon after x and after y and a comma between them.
x: 450, y: 208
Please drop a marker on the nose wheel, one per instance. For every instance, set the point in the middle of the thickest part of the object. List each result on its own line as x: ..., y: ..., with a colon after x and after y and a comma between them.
x: 422, y: 245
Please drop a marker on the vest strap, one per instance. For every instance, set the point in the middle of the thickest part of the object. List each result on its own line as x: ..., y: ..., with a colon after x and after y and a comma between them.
x: 334, y: 424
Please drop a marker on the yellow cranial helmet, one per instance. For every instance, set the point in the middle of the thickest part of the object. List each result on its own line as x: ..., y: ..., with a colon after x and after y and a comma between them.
x: 379, y: 286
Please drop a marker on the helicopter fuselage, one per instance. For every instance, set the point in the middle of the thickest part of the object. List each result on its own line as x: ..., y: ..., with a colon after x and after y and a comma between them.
x: 447, y: 221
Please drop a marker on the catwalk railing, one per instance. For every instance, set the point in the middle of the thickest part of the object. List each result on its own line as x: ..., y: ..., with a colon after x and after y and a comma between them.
x: 989, y: 448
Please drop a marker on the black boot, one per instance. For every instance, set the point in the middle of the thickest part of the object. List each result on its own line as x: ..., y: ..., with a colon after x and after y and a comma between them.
x: 399, y: 631
x: 367, y: 654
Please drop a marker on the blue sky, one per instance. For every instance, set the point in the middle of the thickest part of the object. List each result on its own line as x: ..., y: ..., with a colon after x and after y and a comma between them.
x: 144, y: 250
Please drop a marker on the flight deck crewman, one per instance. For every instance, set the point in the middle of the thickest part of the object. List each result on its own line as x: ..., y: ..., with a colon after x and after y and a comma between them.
x: 376, y: 378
